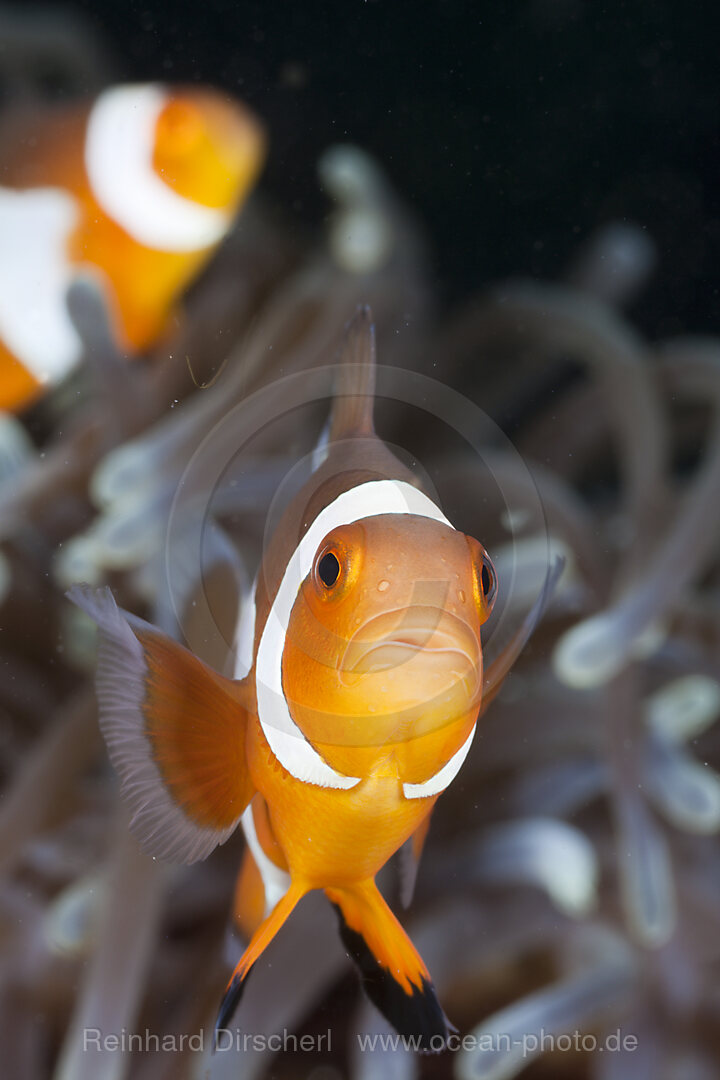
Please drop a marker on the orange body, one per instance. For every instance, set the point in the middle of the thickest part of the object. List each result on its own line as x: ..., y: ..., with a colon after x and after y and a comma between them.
x: 384, y: 678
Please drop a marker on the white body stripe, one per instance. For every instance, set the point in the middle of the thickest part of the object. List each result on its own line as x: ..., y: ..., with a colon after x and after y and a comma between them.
x: 119, y: 148
x: 284, y: 737
x: 34, y: 276
x: 444, y: 777
x: 245, y: 635
x: 276, y: 882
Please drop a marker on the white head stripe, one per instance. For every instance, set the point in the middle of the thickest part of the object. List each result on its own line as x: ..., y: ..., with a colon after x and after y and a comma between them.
x: 286, y: 741
x: 35, y: 274
x: 119, y: 148
x: 444, y: 777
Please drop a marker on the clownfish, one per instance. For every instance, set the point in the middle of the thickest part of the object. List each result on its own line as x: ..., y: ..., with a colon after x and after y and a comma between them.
x: 136, y: 190
x: 354, y: 705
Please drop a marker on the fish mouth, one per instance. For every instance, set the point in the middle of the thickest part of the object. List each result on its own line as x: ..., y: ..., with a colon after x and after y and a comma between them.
x: 396, y: 638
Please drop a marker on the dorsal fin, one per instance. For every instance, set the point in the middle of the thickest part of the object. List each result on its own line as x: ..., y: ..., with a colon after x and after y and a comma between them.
x: 352, y: 408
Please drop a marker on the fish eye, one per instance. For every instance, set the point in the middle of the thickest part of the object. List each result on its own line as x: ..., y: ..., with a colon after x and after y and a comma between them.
x: 328, y: 569
x: 337, y: 563
x: 488, y: 582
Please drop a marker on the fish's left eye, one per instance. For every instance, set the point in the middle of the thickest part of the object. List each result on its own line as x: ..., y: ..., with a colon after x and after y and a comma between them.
x: 328, y: 569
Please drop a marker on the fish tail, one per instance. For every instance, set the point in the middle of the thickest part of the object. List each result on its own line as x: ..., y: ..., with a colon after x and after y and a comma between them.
x: 18, y: 386
x: 258, y: 943
x: 249, y: 899
x: 394, y: 975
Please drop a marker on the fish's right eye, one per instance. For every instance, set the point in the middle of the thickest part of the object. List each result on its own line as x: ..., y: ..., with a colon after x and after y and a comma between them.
x: 328, y: 569
x: 337, y: 563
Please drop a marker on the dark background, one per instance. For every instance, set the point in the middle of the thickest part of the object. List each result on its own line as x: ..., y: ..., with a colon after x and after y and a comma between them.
x: 512, y: 129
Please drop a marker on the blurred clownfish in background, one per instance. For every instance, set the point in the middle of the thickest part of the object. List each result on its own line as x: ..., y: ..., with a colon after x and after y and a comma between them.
x: 358, y: 685
x: 136, y: 190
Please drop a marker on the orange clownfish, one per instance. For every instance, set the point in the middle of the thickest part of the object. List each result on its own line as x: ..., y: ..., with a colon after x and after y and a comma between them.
x: 352, y: 712
x: 137, y: 190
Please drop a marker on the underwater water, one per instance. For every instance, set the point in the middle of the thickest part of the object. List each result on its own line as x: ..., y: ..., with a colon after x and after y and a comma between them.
x: 526, y: 197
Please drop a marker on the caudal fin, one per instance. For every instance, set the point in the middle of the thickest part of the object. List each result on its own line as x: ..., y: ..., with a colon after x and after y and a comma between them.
x: 249, y: 898
x: 393, y: 973
x: 259, y: 942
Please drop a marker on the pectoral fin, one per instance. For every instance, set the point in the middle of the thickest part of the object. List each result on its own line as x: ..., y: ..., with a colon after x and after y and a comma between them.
x: 175, y: 732
x: 495, y: 673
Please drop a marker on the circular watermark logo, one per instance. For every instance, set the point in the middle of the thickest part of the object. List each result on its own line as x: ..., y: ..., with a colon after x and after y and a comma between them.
x: 253, y: 482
